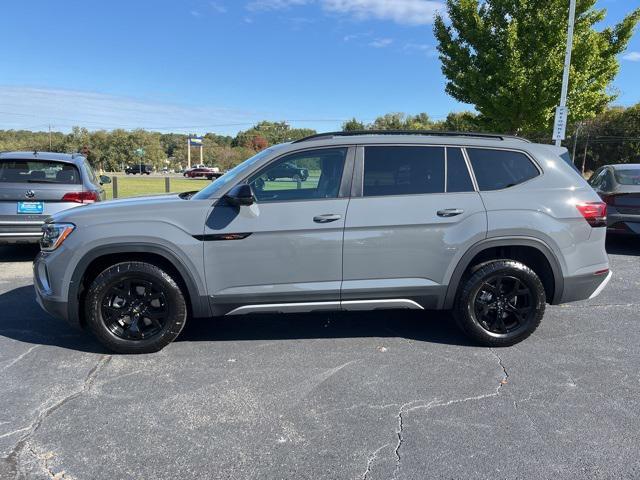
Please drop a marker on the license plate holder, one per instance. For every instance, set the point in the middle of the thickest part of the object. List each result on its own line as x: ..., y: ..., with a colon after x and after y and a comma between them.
x: 30, y: 208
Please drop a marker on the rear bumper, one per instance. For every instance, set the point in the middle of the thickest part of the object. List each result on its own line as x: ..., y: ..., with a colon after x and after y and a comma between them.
x: 584, y: 287
x: 20, y: 232
x: 622, y: 223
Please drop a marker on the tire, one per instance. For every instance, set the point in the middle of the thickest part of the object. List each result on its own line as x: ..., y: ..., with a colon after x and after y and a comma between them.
x: 500, y: 304
x: 129, y: 305
x: 296, y: 177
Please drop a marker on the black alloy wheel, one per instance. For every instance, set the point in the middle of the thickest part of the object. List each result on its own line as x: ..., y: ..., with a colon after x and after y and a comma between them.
x: 134, y: 309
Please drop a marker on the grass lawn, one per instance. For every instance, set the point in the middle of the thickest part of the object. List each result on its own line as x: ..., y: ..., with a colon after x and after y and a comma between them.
x: 131, y: 186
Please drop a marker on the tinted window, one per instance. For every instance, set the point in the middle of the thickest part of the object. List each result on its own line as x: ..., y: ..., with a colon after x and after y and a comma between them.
x: 301, y: 176
x: 38, y: 171
x: 458, y: 178
x: 403, y: 170
x: 628, y: 176
x: 91, y: 172
x: 497, y: 169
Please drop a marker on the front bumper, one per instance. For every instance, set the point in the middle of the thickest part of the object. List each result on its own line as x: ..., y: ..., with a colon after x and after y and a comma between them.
x: 54, y: 306
x: 584, y: 287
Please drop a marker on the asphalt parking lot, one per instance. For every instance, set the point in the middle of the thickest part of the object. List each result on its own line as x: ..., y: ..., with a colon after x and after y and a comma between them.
x: 338, y: 396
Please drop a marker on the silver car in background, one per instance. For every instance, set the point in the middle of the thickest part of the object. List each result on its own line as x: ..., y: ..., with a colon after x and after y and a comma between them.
x: 36, y: 185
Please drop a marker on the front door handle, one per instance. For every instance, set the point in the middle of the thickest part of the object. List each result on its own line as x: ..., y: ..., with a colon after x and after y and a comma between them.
x: 329, y: 217
x: 450, y: 212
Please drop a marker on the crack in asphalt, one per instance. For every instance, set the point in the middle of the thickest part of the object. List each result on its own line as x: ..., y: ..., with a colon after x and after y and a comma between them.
x: 44, y: 460
x: 406, y: 408
x: 13, y: 459
x: 372, y: 458
x: 19, y: 357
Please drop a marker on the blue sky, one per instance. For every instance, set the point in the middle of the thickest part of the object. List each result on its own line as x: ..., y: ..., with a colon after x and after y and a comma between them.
x: 222, y: 65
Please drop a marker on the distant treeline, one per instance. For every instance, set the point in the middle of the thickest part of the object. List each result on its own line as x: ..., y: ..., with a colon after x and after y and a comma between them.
x: 611, y: 137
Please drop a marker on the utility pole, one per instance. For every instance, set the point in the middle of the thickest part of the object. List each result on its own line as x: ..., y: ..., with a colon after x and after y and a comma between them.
x: 561, y: 112
x: 188, y: 152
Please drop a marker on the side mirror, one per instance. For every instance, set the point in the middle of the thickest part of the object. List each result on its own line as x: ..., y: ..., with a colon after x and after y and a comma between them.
x: 240, y: 195
x: 104, y: 179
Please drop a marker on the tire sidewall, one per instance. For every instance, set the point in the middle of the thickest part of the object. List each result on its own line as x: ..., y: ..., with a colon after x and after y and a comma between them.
x: 177, y: 315
x: 465, y: 314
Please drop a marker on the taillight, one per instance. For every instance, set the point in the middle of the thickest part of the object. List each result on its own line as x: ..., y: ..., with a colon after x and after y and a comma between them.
x: 594, y: 212
x: 80, y: 197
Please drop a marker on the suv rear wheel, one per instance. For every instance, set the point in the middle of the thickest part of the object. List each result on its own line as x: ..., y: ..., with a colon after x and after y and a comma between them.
x: 135, y: 307
x: 501, y: 303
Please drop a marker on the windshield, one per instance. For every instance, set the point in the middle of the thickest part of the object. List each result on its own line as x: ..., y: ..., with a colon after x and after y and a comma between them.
x: 628, y: 176
x: 232, y: 175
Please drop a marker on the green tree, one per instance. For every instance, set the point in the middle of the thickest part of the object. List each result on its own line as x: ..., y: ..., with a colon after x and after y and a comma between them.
x: 506, y: 57
x: 461, y: 122
x: 353, y: 125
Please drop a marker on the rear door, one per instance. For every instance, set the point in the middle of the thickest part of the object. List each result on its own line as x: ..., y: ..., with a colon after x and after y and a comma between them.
x: 413, y: 213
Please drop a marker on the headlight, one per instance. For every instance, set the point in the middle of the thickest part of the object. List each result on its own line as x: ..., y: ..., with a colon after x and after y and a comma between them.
x: 53, y: 234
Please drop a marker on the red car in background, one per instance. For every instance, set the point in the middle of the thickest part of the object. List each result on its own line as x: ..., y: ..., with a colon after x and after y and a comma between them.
x: 202, y: 172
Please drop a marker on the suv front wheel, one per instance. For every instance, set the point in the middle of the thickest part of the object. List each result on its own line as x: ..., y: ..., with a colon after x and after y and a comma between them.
x: 501, y: 303
x: 135, y: 307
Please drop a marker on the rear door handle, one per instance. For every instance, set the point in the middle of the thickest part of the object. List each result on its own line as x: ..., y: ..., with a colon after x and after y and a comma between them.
x: 329, y: 217
x: 450, y: 212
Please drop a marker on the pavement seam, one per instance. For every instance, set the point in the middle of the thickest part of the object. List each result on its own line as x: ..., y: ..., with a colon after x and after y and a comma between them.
x: 13, y: 459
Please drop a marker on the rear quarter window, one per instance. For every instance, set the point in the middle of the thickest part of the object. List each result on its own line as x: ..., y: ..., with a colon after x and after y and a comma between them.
x: 38, y: 171
x: 499, y: 169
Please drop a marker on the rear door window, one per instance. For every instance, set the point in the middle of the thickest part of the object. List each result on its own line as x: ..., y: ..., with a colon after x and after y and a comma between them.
x: 498, y: 169
x: 403, y: 170
x: 38, y: 171
x: 458, y: 178
x: 628, y: 176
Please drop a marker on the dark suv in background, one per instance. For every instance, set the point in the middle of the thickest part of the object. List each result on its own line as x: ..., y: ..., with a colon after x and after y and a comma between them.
x: 139, y: 169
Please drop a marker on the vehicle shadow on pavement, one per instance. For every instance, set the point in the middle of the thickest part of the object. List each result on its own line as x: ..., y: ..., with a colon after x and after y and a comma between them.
x: 22, y: 319
x: 18, y: 253
x: 430, y: 326
x: 623, y: 245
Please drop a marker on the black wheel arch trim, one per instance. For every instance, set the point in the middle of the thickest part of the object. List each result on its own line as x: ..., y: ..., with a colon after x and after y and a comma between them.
x: 199, y: 303
x: 470, y: 254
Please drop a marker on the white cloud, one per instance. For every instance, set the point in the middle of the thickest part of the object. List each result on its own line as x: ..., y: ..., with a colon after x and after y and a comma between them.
x: 632, y: 56
x: 381, y: 42
x: 424, y: 48
x: 195, y: 13
x: 256, y: 5
x: 218, y: 7
x: 410, y: 12
x: 35, y: 108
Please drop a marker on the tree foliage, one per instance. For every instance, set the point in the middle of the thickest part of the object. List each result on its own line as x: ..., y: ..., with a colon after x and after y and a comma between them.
x: 506, y: 58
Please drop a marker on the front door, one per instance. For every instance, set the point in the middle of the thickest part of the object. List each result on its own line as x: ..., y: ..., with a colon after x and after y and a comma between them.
x: 414, y: 213
x: 284, y: 252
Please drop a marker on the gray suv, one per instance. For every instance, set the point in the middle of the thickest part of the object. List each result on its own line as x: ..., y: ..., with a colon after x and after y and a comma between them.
x: 36, y: 185
x: 490, y: 227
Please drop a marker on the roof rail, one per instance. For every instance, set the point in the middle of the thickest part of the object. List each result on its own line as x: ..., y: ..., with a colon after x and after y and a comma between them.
x: 434, y: 133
